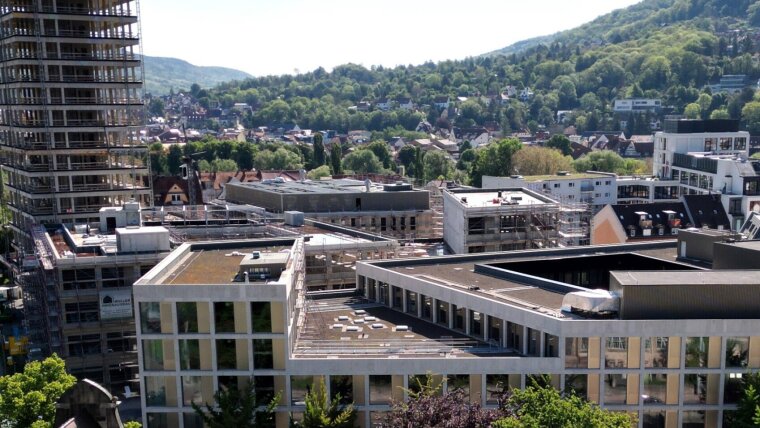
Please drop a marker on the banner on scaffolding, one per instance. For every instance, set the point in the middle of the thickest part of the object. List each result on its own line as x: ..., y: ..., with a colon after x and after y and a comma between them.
x: 115, y: 304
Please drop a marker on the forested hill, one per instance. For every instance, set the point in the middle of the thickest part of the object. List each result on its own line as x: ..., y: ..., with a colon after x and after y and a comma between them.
x: 163, y: 74
x: 665, y: 49
x: 632, y: 22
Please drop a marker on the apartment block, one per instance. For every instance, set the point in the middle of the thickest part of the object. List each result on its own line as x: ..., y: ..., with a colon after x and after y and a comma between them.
x: 70, y: 109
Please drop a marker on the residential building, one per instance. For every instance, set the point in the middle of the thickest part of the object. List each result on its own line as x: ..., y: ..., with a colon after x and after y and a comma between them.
x: 71, y: 110
x: 637, y: 105
x: 710, y: 156
x: 631, y: 327
x: 731, y: 83
x: 641, y: 190
x: 594, y: 188
x: 485, y: 220
x: 617, y: 224
x: 388, y: 209
x: 441, y: 102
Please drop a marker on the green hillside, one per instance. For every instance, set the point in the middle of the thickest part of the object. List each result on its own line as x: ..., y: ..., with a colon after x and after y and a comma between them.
x: 666, y: 49
x: 163, y: 74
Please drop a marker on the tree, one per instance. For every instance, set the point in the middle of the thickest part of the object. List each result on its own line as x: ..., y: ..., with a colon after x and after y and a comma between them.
x: 319, y: 172
x: 561, y: 143
x: 419, y: 168
x: 692, y: 111
x: 380, y: 149
x: 156, y: 107
x: 746, y: 408
x: 435, y: 165
x: 174, y: 159
x: 280, y: 159
x: 751, y: 117
x: 494, y: 159
x: 237, y: 408
x: 603, y: 160
x: 427, y: 407
x: 132, y: 424
x: 28, y: 395
x: 720, y: 114
x: 406, y: 157
x: 336, y: 155
x: 362, y: 162
x: 319, y: 150
x: 321, y: 412
x: 158, y: 164
x: 244, y: 155
x: 540, y: 161
x: 544, y: 407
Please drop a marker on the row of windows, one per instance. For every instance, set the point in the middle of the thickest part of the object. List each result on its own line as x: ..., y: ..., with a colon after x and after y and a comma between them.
x: 196, y: 354
x: 155, y: 317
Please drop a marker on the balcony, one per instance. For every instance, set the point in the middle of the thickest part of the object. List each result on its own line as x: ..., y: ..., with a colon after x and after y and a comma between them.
x: 70, y: 10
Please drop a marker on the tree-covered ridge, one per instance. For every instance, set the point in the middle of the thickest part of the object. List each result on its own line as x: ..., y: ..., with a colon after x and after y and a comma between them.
x: 665, y: 49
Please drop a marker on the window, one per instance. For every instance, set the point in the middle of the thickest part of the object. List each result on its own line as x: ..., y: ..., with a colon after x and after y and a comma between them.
x: 153, y: 354
x: 82, y: 312
x: 189, y: 354
x: 571, y: 184
x: 740, y: 143
x: 556, y: 185
x: 616, y: 352
x: 380, y: 389
x: 87, y: 344
x: 224, y: 317
x: 534, y: 342
x: 459, y: 316
x: 113, y: 277
x: 710, y: 144
x: 696, y: 351
x: 261, y: 317
x: 411, y: 302
x: 299, y: 387
x: 121, y: 341
x: 724, y: 143
x: 343, y: 386
x: 226, y: 354
x: 615, y: 388
x: 187, y: 317
x: 264, y: 387
x: 655, y: 388
x: 656, y: 352
x: 150, y: 317
x: 397, y: 298
x: 192, y: 389
x: 498, y: 384
x: 476, y: 324
x: 458, y: 382
x: 551, y: 345
x: 443, y: 312
x: 737, y: 351
x: 577, y: 384
x: 78, y: 279
x: 695, y: 388
x: 732, y: 390
x: 263, y: 357
x: 156, y: 388
x: 514, y: 336
x: 427, y: 307
x: 176, y: 197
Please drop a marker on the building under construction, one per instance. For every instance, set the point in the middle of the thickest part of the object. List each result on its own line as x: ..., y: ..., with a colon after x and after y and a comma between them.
x: 479, y: 220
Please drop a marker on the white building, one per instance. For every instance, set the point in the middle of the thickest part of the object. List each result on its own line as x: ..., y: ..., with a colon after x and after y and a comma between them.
x: 596, y: 189
x: 637, y: 105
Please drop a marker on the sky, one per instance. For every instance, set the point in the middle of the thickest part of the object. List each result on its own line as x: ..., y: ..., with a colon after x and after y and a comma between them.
x: 265, y: 37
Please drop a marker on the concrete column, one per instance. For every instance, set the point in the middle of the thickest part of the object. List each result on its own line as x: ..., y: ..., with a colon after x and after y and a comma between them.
x: 451, y: 315
x: 525, y: 339
x: 485, y: 321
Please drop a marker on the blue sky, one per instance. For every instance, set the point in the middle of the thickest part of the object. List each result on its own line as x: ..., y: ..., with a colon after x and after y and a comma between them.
x: 284, y: 36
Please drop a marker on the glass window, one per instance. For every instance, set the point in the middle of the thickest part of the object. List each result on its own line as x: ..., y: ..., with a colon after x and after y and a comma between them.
x: 695, y: 389
x: 514, y: 336
x: 153, y: 354
x: 654, y: 419
x: 732, y: 390
x: 411, y: 302
x: 724, y: 143
x: 224, y: 317
x: 494, y: 331
x: 696, y: 351
x: 740, y: 143
x: 476, y: 324
x: 226, y: 354
x: 397, y: 298
x: 737, y: 351
x: 264, y: 387
x: 655, y: 388
x: 150, y: 317
x: 189, y: 354
x: 498, y: 384
x: 187, y: 317
x: 459, y: 314
x: 443, y: 312
x: 380, y: 389
x: 656, y: 352
x: 576, y: 352
x: 262, y: 354
x: 693, y: 419
x: 192, y: 420
x: 299, y: 387
x: 427, y: 307
x: 577, y: 384
x: 261, y: 317
x: 616, y: 352
x: 192, y: 390
x: 343, y: 386
x: 710, y: 144
x: 461, y: 382
x: 534, y: 342
x: 160, y: 391
x: 551, y: 345
x: 615, y: 388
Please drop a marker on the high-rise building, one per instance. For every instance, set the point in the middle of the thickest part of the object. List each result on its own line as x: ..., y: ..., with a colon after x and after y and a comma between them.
x: 70, y: 109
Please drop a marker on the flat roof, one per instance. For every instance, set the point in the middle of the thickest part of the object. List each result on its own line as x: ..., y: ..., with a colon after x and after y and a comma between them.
x: 498, y: 198
x: 573, y: 176
x: 212, y: 265
x: 341, y: 185
x: 718, y: 277
x: 353, y: 327
x: 459, y: 273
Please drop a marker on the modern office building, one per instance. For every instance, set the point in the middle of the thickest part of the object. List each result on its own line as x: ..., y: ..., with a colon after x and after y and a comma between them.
x: 710, y: 156
x: 596, y: 189
x: 632, y: 327
x: 70, y: 109
x: 637, y: 105
x: 486, y: 220
x: 396, y: 210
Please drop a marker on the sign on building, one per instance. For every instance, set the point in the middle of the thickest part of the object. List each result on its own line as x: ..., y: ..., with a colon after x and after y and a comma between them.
x: 115, y: 304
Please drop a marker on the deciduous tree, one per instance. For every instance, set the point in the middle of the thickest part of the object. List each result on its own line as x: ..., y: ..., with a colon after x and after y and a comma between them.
x: 238, y: 408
